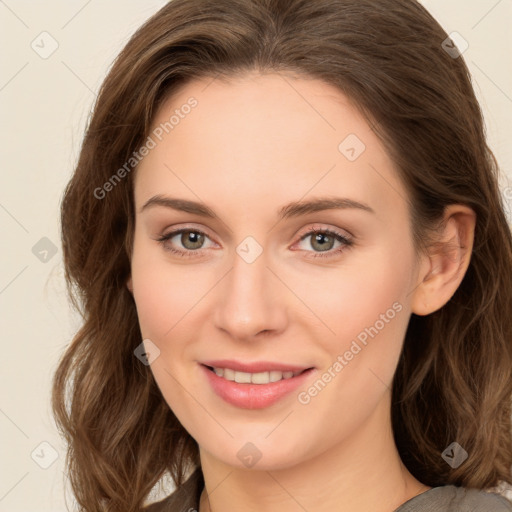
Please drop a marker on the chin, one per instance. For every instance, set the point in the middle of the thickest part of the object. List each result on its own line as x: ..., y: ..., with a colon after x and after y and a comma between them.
x: 259, y: 455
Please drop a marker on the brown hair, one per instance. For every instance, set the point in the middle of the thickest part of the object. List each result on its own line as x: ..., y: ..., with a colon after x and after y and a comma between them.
x: 453, y: 381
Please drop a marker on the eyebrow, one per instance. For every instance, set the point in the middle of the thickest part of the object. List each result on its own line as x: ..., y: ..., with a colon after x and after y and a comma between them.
x: 293, y: 209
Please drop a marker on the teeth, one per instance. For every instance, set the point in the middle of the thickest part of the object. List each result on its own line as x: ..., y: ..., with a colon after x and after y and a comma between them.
x: 253, y: 378
x: 262, y: 378
x: 274, y: 376
x: 242, y: 377
x: 228, y: 373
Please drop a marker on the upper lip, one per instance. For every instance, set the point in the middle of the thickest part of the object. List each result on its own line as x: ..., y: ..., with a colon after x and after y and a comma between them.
x: 255, y: 367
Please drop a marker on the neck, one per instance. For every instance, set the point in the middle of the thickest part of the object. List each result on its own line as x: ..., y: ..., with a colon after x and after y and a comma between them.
x: 363, y: 472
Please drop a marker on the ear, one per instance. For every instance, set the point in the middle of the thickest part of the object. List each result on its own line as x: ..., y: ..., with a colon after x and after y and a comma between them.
x: 129, y: 284
x: 442, y: 270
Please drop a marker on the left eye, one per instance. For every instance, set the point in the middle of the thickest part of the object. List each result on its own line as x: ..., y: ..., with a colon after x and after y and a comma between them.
x: 323, y: 240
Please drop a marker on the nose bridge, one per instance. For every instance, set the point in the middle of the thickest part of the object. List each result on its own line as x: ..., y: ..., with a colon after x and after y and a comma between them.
x: 250, y: 300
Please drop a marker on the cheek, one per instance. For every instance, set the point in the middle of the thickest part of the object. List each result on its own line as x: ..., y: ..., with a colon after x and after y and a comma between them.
x: 369, y: 288
x: 164, y: 295
x: 366, y: 309
x: 164, y: 292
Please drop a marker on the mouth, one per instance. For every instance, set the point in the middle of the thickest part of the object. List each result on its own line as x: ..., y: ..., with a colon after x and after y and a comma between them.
x: 265, y: 377
x: 267, y: 384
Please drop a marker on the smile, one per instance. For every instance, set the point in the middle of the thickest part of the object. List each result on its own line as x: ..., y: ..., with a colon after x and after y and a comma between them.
x: 253, y: 378
x: 253, y: 390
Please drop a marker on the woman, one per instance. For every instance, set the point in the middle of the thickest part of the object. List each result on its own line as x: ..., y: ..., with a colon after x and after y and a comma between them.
x: 287, y: 238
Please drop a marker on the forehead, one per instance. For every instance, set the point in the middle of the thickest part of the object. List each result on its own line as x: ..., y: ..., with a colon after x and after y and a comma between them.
x: 272, y: 111
x: 272, y: 137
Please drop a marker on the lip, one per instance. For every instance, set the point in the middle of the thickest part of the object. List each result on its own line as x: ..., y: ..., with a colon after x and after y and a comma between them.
x: 254, y: 396
x: 255, y: 367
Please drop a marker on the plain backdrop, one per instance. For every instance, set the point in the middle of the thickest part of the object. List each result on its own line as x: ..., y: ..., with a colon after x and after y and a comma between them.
x: 55, y: 56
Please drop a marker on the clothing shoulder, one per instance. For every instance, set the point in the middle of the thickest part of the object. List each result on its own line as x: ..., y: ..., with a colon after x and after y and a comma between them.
x: 450, y: 498
x: 183, y: 499
x: 438, y: 499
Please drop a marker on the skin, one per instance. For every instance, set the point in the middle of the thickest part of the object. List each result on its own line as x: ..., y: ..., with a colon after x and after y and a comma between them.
x: 253, y: 144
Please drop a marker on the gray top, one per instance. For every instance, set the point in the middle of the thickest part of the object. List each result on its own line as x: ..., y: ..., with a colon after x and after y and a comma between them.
x: 438, y: 499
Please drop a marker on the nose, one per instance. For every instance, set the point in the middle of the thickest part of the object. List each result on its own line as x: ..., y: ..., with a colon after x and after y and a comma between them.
x: 251, y: 300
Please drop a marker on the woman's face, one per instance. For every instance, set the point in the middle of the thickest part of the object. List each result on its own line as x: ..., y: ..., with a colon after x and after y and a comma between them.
x: 251, y: 287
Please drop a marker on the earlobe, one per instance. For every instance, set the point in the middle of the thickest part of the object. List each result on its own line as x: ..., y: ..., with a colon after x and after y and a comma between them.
x: 443, y: 270
x: 129, y: 285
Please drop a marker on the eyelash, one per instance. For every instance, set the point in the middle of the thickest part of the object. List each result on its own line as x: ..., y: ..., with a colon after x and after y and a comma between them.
x: 346, y: 243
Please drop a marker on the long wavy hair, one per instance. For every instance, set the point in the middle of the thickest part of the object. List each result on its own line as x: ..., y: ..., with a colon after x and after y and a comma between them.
x: 453, y: 381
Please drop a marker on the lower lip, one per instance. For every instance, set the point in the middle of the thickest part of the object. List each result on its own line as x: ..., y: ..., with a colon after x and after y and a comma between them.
x: 254, y: 396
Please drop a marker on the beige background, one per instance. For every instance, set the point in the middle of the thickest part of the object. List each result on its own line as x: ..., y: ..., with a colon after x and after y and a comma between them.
x: 44, y: 106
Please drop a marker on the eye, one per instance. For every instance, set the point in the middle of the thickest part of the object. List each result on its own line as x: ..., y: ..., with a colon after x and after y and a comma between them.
x: 191, y: 241
x: 323, y: 242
